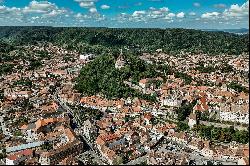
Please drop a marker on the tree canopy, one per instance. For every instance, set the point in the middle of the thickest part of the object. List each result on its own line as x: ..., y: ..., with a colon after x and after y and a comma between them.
x: 99, y: 40
x: 101, y: 77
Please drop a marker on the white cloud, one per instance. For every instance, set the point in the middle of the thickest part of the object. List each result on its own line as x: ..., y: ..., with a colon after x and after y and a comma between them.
x: 232, y: 14
x: 138, y: 13
x: 154, y: 13
x: 7, y: 10
x: 237, y: 10
x: 210, y: 15
x: 86, y: 4
x: 37, y: 12
x: 78, y: 15
x: 164, y: 9
x: 82, y: 16
x: 93, y: 10
x: 180, y: 15
x: 105, y: 7
x: 171, y: 15
x: 152, y: 8
x: 34, y: 18
x: 39, y: 7
x: 196, y: 4
x: 54, y: 13
x: 192, y: 13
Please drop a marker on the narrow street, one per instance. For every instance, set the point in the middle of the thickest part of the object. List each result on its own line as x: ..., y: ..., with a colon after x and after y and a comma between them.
x: 79, y: 128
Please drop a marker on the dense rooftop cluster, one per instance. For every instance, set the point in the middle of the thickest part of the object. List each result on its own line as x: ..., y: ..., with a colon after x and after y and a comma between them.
x: 61, y: 105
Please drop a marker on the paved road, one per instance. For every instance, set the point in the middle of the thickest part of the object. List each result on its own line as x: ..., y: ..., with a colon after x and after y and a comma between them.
x: 196, y: 156
x: 76, y: 118
x: 89, y: 154
x: 137, y: 161
x: 3, y: 127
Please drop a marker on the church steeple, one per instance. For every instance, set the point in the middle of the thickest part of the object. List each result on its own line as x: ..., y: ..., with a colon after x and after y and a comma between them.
x: 120, y: 63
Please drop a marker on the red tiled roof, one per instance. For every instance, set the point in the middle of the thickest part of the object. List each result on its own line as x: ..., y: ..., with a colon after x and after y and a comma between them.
x: 44, y: 122
x: 136, y: 109
x: 12, y: 157
x: 25, y: 152
x: 148, y: 116
x: 143, y: 81
x: 198, y: 107
x: 246, y: 152
x: 99, y: 141
x: 24, y: 127
x: 108, y: 137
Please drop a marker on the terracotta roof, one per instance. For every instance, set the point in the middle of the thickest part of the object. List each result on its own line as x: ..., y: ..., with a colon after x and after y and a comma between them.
x: 27, y: 152
x: 12, y: 157
x: 70, y: 134
x: 99, y: 141
x: 243, y: 96
x: 198, y: 107
x: 109, y: 153
x: 19, y: 154
x: 98, y: 101
x: 108, y: 137
x: 143, y: 81
x: 102, y: 124
x: 125, y: 109
x: 202, y: 88
x: 148, y: 116
x: 44, y: 122
x: 24, y: 127
x: 136, y: 109
x: 202, y: 106
x: 246, y: 152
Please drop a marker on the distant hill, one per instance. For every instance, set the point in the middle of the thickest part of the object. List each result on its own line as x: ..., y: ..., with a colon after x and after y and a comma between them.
x: 235, y: 31
x: 100, y: 40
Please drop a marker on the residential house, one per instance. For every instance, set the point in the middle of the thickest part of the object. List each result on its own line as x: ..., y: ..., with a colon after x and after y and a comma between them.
x: 143, y: 83
x: 192, y: 120
x: 16, y: 158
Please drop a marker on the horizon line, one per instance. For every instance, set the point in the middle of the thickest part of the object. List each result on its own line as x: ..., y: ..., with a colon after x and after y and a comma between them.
x: 117, y: 27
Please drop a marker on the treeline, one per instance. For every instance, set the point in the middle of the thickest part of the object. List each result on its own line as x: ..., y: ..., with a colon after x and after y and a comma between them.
x: 225, y: 68
x: 237, y: 87
x: 172, y: 41
x: 6, y: 68
x: 222, y: 134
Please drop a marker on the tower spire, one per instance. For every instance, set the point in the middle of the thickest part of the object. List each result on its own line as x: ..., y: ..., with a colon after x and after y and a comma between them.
x: 121, y: 51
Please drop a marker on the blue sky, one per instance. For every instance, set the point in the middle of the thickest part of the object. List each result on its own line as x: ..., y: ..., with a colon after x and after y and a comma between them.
x: 197, y: 14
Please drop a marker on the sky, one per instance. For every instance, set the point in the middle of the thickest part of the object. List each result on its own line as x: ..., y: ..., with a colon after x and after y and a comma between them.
x: 195, y: 14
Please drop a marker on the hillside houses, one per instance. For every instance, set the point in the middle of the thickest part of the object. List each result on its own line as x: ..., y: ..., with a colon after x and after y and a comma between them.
x: 38, y: 129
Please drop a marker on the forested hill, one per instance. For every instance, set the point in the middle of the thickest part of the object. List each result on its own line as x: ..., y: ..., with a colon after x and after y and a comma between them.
x: 146, y: 40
